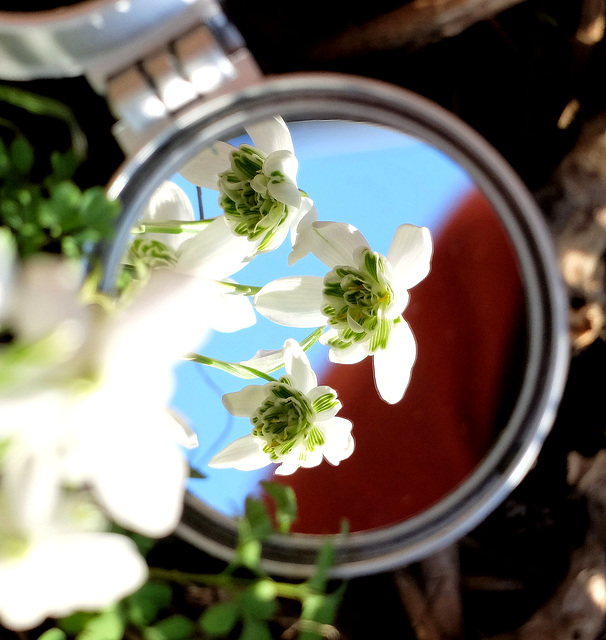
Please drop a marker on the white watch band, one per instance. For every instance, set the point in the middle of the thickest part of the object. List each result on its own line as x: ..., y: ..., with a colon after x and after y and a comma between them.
x: 150, y: 58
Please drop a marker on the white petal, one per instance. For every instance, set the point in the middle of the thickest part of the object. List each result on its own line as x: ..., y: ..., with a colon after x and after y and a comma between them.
x: 243, y: 454
x: 169, y: 202
x: 398, y: 303
x: 139, y: 477
x: 292, y: 302
x: 266, y: 360
x: 227, y: 312
x: 179, y: 430
x: 393, y: 365
x: 68, y: 573
x: 298, y: 367
x: 31, y: 485
x: 271, y: 135
x: 282, y: 161
x: 214, y: 252
x: 286, y: 192
x: 410, y: 255
x: 166, y: 320
x: 335, y: 243
x: 203, y: 170
x: 48, y: 295
x: 327, y: 414
x: 338, y: 441
x: 300, y: 226
x: 245, y: 402
x: 351, y: 355
x: 8, y: 253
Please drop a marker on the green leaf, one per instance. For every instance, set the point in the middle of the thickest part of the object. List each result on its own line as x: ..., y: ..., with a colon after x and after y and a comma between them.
x: 53, y: 634
x: 258, y: 519
x: 64, y: 165
x: 321, y: 610
x: 259, y: 600
x: 74, y: 623
x: 144, y: 605
x: 107, y: 625
x: 22, y: 155
x: 285, y: 501
x: 317, y: 582
x: 41, y: 105
x: 254, y: 629
x: 177, y: 627
x: 220, y: 619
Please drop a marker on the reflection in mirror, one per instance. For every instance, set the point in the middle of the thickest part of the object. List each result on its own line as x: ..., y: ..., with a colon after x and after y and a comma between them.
x: 466, y: 313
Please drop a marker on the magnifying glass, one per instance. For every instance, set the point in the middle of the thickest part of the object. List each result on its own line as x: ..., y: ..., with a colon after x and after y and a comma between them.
x: 489, y: 320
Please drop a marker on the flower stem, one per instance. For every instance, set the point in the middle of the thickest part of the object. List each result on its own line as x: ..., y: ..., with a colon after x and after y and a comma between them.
x: 239, y: 370
x: 170, y: 226
x: 227, y: 581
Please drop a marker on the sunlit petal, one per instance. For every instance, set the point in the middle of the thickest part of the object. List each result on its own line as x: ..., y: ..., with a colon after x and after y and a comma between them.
x: 203, y: 170
x: 335, y: 243
x: 67, y: 573
x: 168, y: 202
x: 282, y: 162
x: 393, y: 365
x: 179, y: 430
x: 339, y: 441
x: 244, y: 402
x: 243, y: 454
x: 301, y: 224
x: 298, y: 367
x: 271, y: 135
x: 143, y: 488
x: 285, y: 191
x: 215, y: 252
x: 227, y: 312
x: 348, y: 355
x: 292, y: 302
x: 410, y: 255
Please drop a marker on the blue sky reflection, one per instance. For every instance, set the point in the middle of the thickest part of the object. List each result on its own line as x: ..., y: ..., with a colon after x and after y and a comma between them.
x: 371, y: 177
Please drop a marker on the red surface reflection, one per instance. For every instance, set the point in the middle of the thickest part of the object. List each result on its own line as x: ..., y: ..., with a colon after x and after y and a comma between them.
x: 467, y: 316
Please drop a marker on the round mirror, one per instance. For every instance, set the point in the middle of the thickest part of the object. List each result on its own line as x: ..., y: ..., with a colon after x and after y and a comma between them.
x: 484, y: 312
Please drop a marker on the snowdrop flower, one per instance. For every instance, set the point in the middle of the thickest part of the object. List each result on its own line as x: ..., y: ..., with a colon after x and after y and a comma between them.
x: 206, y: 254
x: 56, y: 556
x: 104, y: 410
x: 257, y: 185
x: 294, y: 421
x: 361, y: 299
x: 123, y: 443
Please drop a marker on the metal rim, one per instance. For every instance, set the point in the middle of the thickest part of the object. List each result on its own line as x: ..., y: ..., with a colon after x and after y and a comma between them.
x: 320, y: 96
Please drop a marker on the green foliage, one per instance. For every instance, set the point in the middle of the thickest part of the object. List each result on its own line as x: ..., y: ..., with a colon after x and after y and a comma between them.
x: 53, y: 634
x: 51, y: 215
x: 175, y: 627
x: 144, y: 606
x: 285, y: 502
x: 250, y: 610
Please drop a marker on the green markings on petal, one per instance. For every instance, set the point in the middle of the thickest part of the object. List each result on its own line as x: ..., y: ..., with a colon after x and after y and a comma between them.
x: 355, y: 300
x: 285, y: 420
x: 152, y: 254
x: 324, y: 402
x: 315, y: 438
x: 245, y: 199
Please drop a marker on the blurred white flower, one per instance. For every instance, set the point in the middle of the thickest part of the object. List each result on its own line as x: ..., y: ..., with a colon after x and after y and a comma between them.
x: 103, y: 410
x: 361, y: 298
x: 206, y: 254
x: 294, y: 421
x: 56, y: 556
x: 257, y: 185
